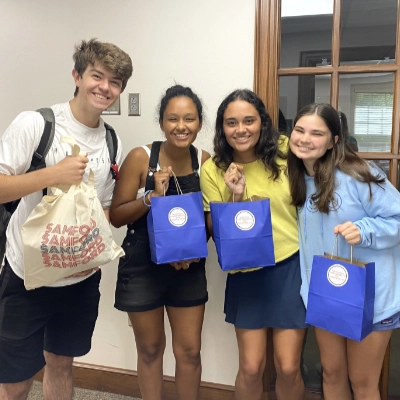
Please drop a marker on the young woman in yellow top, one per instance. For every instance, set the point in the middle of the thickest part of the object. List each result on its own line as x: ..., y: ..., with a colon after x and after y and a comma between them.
x: 250, y: 159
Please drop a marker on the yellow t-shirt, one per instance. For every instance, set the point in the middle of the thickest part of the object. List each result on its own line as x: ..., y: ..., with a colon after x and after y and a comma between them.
x: 259, y: 183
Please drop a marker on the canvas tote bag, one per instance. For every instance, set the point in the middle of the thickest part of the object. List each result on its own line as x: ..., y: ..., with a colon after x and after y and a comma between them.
x: 66, y: 233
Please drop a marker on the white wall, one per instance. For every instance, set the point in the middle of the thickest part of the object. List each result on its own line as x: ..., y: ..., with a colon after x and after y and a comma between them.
x: 205, y: 44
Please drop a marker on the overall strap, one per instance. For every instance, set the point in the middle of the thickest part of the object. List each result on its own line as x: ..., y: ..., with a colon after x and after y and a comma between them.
x: 153, y: 161
x: 195, y: 161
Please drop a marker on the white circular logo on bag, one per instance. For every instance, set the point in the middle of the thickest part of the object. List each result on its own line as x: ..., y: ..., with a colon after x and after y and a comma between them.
x: 177, y: 217
x: 337, y: 275
x: 245, y: 220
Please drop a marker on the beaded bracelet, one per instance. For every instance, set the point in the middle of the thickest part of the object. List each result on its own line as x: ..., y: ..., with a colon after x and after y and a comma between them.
x: 144, y: 198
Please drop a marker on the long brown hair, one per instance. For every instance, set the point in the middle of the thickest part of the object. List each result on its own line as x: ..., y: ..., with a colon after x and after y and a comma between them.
x: 340, y: 156
x: 267, y: 147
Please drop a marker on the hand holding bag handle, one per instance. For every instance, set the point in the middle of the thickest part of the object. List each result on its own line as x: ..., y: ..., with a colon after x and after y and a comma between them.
x: 336, y: 246
x: 178, y: 188
x: 75, y: 149
x: 247, y: 194
x: 90, y: 190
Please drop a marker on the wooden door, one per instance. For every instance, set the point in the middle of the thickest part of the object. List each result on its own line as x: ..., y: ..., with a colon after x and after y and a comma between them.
x: 348, y: 55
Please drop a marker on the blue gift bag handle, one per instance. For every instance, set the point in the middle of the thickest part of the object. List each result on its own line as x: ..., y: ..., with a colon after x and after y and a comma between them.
x: 178, y: 188
x: 247, y: 193
x: 336, y: 246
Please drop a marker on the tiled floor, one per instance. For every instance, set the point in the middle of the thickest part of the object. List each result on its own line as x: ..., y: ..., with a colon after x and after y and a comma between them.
x: 79, y: 394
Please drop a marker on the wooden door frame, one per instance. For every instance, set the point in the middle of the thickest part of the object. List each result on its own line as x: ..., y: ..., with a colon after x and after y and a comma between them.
x: 267, y: 71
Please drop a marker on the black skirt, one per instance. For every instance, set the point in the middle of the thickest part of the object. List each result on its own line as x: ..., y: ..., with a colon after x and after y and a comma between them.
x: 267, y: 297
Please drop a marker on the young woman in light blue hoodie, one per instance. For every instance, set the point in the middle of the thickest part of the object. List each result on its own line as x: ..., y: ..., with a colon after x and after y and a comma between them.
x: 338, y: 193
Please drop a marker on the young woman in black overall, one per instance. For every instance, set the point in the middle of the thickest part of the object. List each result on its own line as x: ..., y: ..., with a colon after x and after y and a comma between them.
x: 144, y: 288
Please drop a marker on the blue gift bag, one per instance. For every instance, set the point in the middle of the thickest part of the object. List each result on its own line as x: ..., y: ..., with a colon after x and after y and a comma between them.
x: 243, y: 234
x: 176, y: 228
x: 341, y: 296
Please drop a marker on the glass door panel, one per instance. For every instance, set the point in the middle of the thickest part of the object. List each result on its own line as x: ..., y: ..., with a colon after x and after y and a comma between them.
x: 306, y: 27
x: 368, y: 31
x: 366, y: 103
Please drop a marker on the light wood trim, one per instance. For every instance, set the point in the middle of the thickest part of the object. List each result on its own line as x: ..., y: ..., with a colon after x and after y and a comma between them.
x: 378, y: 156
x: 267, y: 54
x: 257, y: 47
x: 336, y: 32
x: 261, y: 48
x: 334, y: 95
x: 396, y: 100
x: 272, y: 86
x: 344, y: 69
x: 336, y: 35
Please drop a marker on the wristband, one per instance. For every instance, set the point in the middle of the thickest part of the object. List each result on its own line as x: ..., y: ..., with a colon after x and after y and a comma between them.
x: 144, y: 198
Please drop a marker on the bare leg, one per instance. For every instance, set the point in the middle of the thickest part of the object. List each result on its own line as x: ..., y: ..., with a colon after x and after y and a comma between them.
x: 15, y: 391
x: 186, y: 324
x: 252, y: 345
x: 333, y: 352
x: 287, y: 355
x: 57, y: 379
x: 365, y: 361
x: 148, y: 327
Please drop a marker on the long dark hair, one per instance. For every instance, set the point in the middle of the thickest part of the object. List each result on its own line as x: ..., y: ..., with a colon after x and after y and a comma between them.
x: 339, y: 156
x: 267, y: 147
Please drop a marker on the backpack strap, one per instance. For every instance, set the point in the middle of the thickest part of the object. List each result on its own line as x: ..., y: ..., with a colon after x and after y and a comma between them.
x: 112, y: 145
x: 38, y: 158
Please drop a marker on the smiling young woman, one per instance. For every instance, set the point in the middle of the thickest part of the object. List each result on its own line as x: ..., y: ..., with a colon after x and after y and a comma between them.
x: 145, y: 289
x: 250, y: 160
x: 338, y: 194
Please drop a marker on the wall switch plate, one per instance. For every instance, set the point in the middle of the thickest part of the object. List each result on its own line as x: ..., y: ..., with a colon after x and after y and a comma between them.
x: 134, y: 104
x: 114, y: 109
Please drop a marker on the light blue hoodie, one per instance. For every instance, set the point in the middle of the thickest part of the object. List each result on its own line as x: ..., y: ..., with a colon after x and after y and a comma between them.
x: 379, y: 223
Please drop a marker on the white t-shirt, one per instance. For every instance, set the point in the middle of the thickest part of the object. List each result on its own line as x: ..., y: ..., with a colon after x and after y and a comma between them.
x: 17, y: 146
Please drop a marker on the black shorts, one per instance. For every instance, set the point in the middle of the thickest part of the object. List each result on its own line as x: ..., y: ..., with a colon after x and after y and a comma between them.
x: 143, y: 285
x: 59, y: 320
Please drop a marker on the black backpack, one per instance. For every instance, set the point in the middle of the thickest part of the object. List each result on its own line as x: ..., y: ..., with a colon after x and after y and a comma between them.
x: 38, y: 162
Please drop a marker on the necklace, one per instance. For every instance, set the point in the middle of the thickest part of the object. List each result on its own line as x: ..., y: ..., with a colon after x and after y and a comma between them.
x: 181, y: 170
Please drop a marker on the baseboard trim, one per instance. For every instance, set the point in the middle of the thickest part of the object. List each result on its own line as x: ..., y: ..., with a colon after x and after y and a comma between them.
x: 125, y: 382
